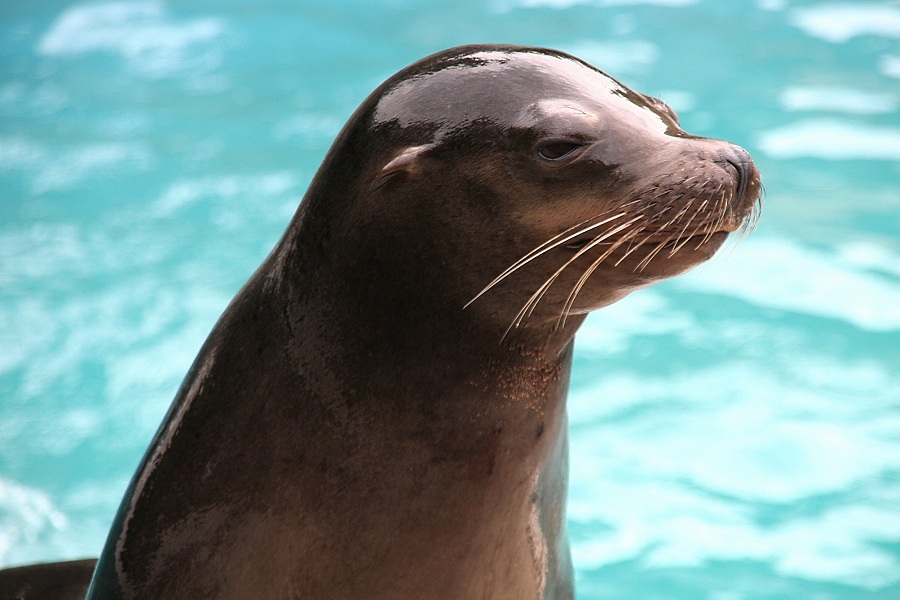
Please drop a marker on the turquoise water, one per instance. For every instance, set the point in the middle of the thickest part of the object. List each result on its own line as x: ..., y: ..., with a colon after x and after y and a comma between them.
x: 735, y: 432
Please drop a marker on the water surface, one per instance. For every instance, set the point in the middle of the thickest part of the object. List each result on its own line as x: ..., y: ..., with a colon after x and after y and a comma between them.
x: 735, y: 432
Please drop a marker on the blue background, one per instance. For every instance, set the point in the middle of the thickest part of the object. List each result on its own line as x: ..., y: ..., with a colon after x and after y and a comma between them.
x: 735, y: 432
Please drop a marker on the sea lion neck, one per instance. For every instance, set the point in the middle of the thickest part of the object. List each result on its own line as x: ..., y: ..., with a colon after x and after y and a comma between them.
x: 383, y: 319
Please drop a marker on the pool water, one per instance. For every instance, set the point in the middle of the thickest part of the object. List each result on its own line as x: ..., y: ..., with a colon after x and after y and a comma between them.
x: 735, y: 431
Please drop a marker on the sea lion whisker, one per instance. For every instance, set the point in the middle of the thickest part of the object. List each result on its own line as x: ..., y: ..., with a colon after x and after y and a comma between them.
x: 674, y: 219
x: 646, y: 261
x: 555, y: 242
x: 755, y: 214
x: 716, y: 208
x: 699, y: 226
x: 632, y: 249
x: 696, y: 230
x: 727, y: 199
x: 660, y: 213
x: 752, y: 219
x: 634, y: 233
x: 594, y: 243
x: 734, y: 241
x: 743, y: 232
x: 627, y: 238
x: 570, y: 300
x: 682, y: 239
x: 535, y: 298
x: 729, y: 248
x: 545, y: 247
x: 722, y: 207
x: 702, y: 205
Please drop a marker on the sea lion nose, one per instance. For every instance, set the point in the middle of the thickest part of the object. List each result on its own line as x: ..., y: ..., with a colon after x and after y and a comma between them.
x: 743, y: 165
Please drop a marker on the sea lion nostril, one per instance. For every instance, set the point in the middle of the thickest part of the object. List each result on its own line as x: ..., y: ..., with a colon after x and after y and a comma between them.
x: 740, y: 160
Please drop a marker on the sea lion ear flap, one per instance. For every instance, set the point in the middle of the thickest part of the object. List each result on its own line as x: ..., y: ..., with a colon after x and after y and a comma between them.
x: 403, y: 166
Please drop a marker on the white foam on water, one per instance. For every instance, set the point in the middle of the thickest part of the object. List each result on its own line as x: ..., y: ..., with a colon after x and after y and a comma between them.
x: 88, y: 161
x: 673, y: 470
x: 13, y: 91
x: 839, y: 546
x: 840, y: 22
x: 185, y: 193
x: 675, y: 466
x: 889, y: 65
x: 773, y: 5
x: 857, y: 283
x: 26, y: 514
x: 868, y: 256
x: 610, y: 331
x: 36, y: 97
x: 20, y: 153
x: 838, y: 99
x: 141, y: 32
x: 55, y: 170
x: 106, y: 326
x: 831, y: 139
x: 569, y: 3
x: 779, y: 274
x: 315, y: 126
x: 110, y: 330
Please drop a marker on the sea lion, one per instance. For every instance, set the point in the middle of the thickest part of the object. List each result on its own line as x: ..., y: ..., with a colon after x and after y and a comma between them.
x: 380, y: 412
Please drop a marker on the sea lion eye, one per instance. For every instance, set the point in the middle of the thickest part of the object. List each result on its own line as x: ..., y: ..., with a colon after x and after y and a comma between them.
x: 556, y: 150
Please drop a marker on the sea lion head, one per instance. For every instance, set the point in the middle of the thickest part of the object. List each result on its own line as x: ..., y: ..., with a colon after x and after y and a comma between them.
x: 528, y: 186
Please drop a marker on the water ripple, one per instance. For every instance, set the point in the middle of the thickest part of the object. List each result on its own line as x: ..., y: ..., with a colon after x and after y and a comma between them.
x: 140, y: 32
x: 838, y: 23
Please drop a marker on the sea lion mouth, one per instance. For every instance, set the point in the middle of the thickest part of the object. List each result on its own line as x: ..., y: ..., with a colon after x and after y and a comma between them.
x: 654, y: 239
x: 644, y: 231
